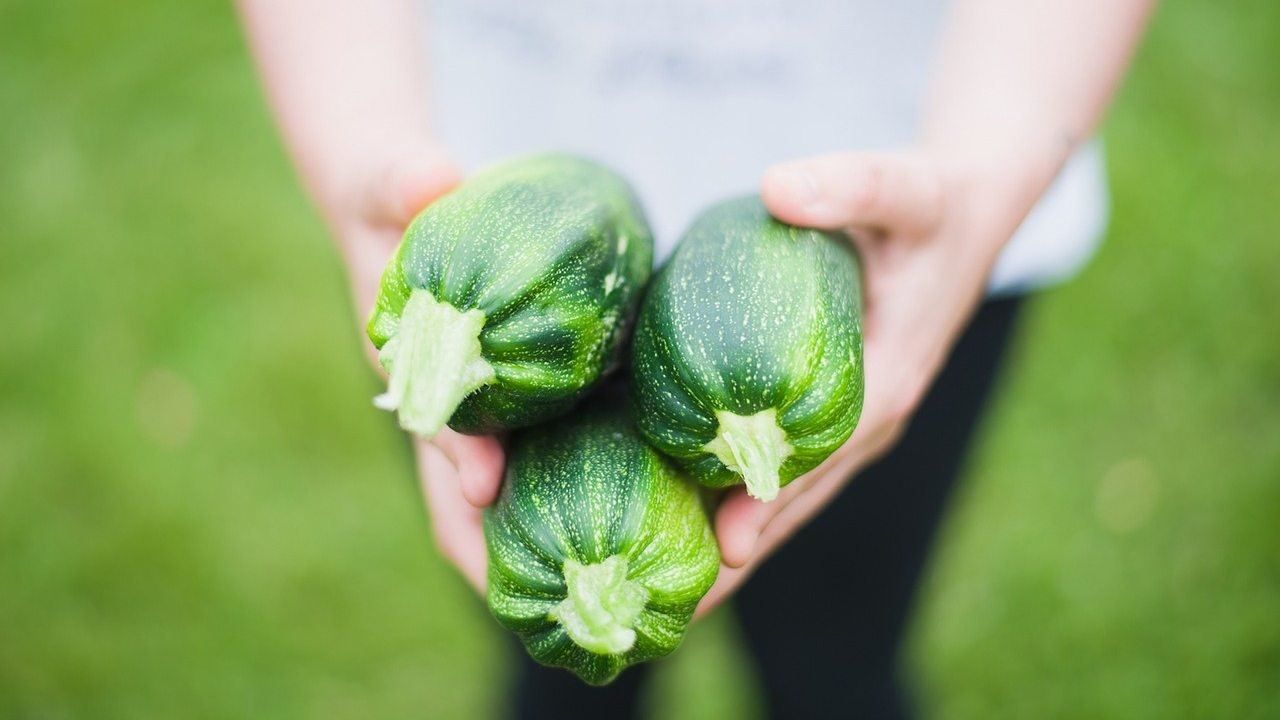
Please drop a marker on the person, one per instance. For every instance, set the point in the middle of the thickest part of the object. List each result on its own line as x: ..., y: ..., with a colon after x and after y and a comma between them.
x: 950, y: 141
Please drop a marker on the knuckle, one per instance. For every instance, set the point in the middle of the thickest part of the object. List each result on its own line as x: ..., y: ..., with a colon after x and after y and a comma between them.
x: 892, y: 436
x: 867, y: 192
x: 908, y: 398
x: 933, y: 200
x: 884, y: 443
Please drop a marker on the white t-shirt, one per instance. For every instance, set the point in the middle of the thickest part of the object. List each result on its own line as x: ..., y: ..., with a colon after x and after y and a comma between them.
x: 692, y: 99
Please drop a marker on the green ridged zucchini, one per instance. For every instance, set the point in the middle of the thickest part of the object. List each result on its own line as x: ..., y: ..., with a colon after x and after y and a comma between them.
x: 509, y: 297
x: 599, y: 549
x: 747, y: 359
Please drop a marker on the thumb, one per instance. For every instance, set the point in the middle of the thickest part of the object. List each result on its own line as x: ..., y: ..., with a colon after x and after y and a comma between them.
x: 410, y: 183
x: 894, y: 191
x: 479, y: 461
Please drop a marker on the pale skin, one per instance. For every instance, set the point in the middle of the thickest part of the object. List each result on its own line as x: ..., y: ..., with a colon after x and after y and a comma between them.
x: 1018, y: 84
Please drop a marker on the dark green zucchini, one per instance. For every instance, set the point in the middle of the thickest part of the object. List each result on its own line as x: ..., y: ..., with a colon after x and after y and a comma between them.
x: 509, y: 297
x: 747, y: 359
x: 599, y: 550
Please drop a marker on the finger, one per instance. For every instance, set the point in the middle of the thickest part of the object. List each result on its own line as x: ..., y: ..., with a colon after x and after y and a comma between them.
x: 479, y: 461
x: 726, y: 584
x: 402, y: 189
x: 798, y: 503
x: 751, y: 533
x: 457, y: 526
x: 366, y: 252
x: 739, y: 521
x: 821, y: 488
x: 887, y: 190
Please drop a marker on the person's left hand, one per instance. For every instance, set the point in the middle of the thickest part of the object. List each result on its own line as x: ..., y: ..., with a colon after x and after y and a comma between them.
x: 377, y: 197
x: 928, y: 232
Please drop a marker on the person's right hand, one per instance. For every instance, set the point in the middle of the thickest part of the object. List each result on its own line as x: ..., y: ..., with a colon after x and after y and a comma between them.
x: 460, y: 474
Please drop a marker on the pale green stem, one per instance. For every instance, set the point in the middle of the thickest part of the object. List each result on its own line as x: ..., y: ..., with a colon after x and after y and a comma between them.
x: 602, y: 605
x: 754, y: 447
x: 433, y: 361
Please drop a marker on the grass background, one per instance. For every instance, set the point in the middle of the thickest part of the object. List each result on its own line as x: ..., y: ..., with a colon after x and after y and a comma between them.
x: 202, y: 516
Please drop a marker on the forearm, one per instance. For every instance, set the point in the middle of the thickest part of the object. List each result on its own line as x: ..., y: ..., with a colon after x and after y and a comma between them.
x: 1019, y: 84
x: 347, y: 83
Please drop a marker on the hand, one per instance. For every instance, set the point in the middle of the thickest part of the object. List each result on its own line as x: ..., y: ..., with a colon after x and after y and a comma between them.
x: 927, y: 233
x: 460, y: 474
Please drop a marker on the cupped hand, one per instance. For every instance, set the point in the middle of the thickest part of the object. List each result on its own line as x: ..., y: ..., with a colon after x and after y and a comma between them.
x: 927, y: 233
x: 460, y: 474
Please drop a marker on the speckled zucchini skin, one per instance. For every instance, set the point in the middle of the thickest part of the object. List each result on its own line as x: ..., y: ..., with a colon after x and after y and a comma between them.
x: 750, y: 314
x: 554, y: 250
x: 587, y: 487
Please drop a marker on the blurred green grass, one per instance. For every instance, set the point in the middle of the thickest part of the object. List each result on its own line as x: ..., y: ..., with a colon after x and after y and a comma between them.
x: 201, y: 515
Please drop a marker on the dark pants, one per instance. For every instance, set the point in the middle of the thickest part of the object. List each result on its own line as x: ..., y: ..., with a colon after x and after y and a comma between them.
x: 824, y: 617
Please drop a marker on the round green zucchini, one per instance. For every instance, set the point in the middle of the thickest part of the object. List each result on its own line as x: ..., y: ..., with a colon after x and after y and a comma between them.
x: 747, y: 359
x: 509, y: 297
x: 599, y: 550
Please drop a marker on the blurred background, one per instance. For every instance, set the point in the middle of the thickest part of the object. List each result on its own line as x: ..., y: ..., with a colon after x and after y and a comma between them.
x: 201, y: 514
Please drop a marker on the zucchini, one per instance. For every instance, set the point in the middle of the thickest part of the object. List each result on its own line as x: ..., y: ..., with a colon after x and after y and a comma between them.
x: 599, y: 550
x: 509, y: 297
x: 747, y: 359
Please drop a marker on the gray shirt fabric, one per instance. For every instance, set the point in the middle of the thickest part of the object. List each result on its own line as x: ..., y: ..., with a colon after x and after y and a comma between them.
x: 692, y: 99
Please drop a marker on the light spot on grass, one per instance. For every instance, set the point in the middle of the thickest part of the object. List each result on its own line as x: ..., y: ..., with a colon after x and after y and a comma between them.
x: 54, y: 178
x: 1126, y: 496
x: 166, y: 408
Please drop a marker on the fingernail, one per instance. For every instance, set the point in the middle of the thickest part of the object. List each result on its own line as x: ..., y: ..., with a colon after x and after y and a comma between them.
x: 762, y: 514
x: 751, y: 538
x: 759, y: 519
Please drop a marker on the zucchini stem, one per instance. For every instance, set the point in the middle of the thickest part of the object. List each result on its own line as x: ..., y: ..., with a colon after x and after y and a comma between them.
x: 754, y: 447
x: 433, y: 361
x: 602, y: 605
